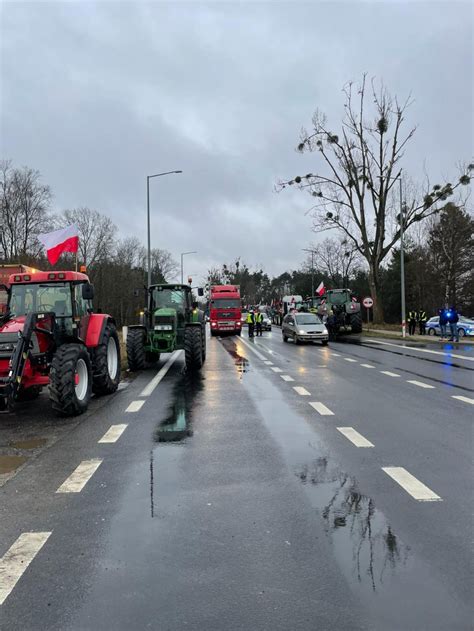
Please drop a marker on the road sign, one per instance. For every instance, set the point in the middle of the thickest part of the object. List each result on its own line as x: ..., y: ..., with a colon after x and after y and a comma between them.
x: 368, y: 302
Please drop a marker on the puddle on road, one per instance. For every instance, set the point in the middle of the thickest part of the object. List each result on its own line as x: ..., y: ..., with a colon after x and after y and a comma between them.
x: 363, y: 540
x: 178, y: 424
x: 8, y: 464
x: 30, y: 443
x: 241, y: 363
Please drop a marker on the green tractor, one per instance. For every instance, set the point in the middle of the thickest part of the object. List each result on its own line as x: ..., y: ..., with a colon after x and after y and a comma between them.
x: 344, y: 306
x: 171, y: 322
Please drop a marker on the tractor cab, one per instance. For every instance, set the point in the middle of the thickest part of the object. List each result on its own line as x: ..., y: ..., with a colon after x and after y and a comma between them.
x: 171, y: 306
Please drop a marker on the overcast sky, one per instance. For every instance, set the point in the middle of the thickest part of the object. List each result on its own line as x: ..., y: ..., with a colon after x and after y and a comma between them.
x: 98, y: 95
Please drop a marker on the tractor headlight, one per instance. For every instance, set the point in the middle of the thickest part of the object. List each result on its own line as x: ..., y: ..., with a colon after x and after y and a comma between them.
x: 163, y: 327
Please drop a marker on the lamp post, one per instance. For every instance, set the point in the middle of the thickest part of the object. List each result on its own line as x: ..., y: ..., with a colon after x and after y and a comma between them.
x: 312, y: 269
x: 182, y: 255
x: 148, y: 178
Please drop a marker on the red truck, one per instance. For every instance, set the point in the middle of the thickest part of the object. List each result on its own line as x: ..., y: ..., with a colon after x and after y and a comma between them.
x: 225, y: 309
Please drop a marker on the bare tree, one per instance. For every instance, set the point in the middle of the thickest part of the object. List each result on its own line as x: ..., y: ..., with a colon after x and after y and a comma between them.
x: 338, y: 258
x: 355, y: 191
x: 97, y: 234
x: 163, y: 265
x: 24, y: 206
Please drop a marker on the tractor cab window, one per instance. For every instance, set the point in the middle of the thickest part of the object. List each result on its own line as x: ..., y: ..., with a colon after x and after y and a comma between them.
x: 54, y: 297
x: 3, y: 300
x: 169, y: 298
x: 81, y: 305
x: 338, y: 299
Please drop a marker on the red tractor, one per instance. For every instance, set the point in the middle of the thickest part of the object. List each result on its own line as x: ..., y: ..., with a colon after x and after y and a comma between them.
x: 49, y: 336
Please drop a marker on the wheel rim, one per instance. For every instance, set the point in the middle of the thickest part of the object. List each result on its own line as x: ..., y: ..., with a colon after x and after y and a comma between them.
x: 112, y: 358
x: 431, y: 332
x: 81, y: 379
x: 461, y: 332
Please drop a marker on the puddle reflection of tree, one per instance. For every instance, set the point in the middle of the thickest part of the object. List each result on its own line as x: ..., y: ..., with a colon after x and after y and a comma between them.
x: 351, y: 515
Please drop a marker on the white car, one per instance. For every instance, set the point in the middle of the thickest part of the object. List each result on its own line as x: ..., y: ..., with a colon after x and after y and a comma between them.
x: 304, y: 327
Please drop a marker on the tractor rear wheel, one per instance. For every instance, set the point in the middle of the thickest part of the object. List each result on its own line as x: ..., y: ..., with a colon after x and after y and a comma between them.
x: 356, y: 322
x: 193, y: 347
x: 70, y: 380
x: 204, y: 342
x: 136, y: 349
x: 107, y: 362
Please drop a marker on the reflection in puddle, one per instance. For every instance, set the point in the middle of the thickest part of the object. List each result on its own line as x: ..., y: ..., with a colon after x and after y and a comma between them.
x: 177, y: 425
x: 241, y: 363
x: 10, y: 463
x: 31, y: 443
x: 363, y: 540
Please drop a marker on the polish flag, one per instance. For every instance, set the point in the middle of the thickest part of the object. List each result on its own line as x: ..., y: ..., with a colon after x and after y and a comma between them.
x: 320, y: 289
x: 62, y: 240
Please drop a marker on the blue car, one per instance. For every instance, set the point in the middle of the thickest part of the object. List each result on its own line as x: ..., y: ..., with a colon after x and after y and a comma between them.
x: 465, y: 326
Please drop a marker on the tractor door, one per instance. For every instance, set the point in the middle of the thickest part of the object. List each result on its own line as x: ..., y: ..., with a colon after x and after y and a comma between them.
x: 82, y: 309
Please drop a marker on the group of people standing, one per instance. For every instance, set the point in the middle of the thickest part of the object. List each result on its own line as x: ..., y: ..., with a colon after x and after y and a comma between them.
x: 449, y: 317
x: 255, y: 323
x: 417, y: 317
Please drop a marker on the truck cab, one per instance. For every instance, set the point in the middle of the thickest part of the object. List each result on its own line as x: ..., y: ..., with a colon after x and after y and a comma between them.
x: 225, y: 309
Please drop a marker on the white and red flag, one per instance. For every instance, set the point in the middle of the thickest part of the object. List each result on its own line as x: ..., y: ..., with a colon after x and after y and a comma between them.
x: 62, y: 240
x: 320, y: 290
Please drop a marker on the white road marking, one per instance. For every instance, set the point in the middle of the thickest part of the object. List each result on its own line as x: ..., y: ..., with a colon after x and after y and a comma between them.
x: 80, y: 476
x: 113, y: 433
x: 321, y: 408
x: 335, y: 354
x: 461, y: 398
x: 250, y: 347
x: 276, y: 369
x: 357, y: 439
x: 268, y: 362
x: 17, y: 558
x: 286, y: 378
x: 123, y: 384
x: 135, y: 406
x: 424, y: 350
x: 411, y: 484
x: 421, y: 384
x: 349, y: 359
x: 390, y: 374
x: 302, y: 391
x: 148, y: 389
x: 367, y: 366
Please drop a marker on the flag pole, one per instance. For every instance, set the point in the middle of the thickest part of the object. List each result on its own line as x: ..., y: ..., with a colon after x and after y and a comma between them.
x: 76, y: 261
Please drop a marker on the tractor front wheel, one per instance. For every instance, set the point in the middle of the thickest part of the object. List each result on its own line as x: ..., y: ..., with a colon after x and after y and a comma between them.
x: 70, y: 384
x: 107, y: 363
x: 193, y: 347
x: 136, y: 349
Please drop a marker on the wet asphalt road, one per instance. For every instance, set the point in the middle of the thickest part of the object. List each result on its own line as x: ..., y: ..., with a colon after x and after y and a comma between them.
x: 230, y: 502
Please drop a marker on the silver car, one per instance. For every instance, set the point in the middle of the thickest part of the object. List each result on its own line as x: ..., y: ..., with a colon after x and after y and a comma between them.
x: 304, y: 327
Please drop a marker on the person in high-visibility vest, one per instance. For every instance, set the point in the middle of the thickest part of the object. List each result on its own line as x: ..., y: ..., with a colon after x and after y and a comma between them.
x: 422, y: 321
x: 412, y: 322
x: 258, y: 323
x: 251, y: 322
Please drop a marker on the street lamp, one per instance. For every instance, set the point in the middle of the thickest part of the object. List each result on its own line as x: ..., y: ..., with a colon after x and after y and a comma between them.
x: 148, y: 178
x: 312, y: 269
x: 184, y: 254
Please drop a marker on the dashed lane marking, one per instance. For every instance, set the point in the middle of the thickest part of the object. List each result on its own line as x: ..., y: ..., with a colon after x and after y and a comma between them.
x: 349, y: 359
x: 321, y: 408
x: 268, y: 362
x: 390, y: 374
x: 123, y: 384
x: 357, y: 439
x: 367, y: 366
x: 335, y: 354
x: 147, y: 390
x: 420, y: 384
x: 113, y: 433
x: 250, y: 347
x: 464, y: 399
x: 411, y: 484
x: 17, y: 558
x: 302, y: 391
x: 276, y: 369
x: 80, y: 477
x: 286, y: 378
x: 135, y: 406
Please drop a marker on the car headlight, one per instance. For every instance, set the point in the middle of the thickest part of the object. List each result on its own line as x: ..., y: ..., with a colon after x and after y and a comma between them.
x: 301, y: 332
x: 325, y: 331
